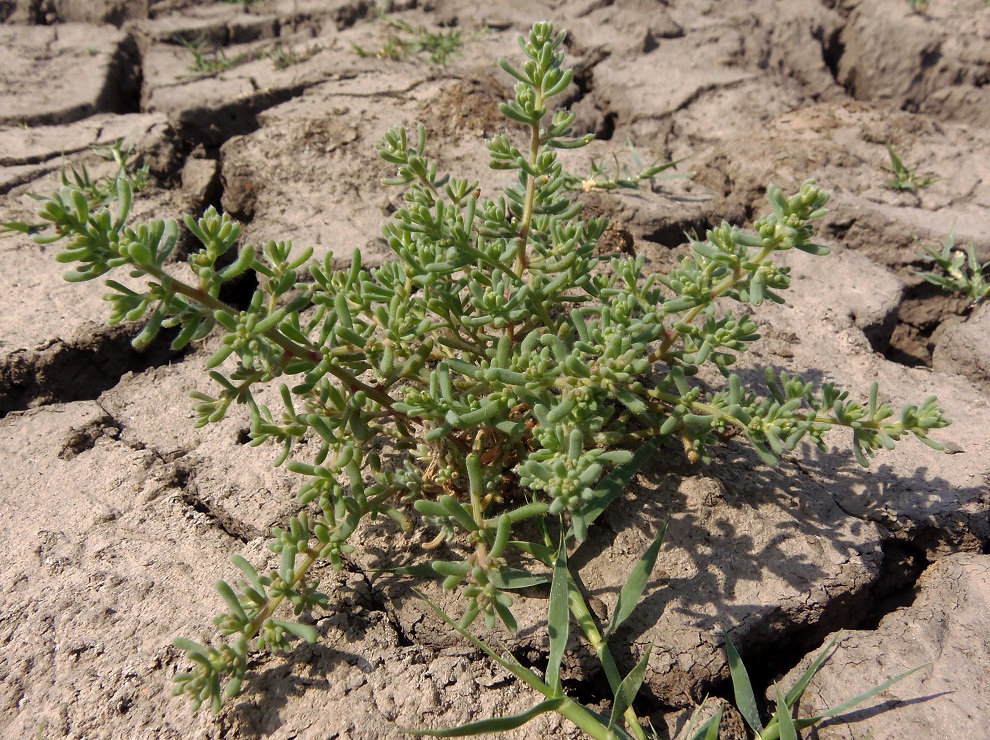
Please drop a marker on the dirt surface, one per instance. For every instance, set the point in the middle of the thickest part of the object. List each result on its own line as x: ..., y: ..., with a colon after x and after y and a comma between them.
x: 120, y: 516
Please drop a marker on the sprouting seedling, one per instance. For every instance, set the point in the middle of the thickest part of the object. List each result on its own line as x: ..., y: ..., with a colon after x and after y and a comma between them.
x: 497, y: 376
x: 918, y: 6
x: 782, y: 724
x: 98, y: 192
x: 961, y: 272
x: 407, y: 40
x: 284, y: 57
x: 904, y: 177
x: 209, y: 61
x: 605, y: 177
x: 103, y: 191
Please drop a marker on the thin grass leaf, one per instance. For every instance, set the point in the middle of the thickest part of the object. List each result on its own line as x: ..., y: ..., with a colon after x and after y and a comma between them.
x: 20, y: 226
x: 614, y: 483
x: 707, y: 730
x: 796, y: 691
x: 417, y: 571
x: 772, y: 731
x: 867, y: 694
x: 513, y: 578
x: 784, y: 719
x: 515, y: 668
x: 694, y: 719
x: 712, y: 726
x: 628, y: 689
x: 633, y: 588
x: 576, y: 712
x: 559, y: 618
x: 543, y: 553
x: 496, y: 724
x: 742, y: 688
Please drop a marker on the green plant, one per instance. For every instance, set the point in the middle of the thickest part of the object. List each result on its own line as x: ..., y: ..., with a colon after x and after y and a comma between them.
x: 209, y: 61
x: 782, y: 724
x: 919, y: 6
x: 407, y: 40
x: 99, y: 192
x: 961, y: 271
x: 604, y: 177
x: 497, y: 378
x: 283, y: 58
x: 904, y: 177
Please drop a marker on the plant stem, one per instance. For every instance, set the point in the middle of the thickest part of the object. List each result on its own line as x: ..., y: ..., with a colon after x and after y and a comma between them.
x: 291, y: 348
x: 720, y: 288
x: 527, y: 218
x: 599, y: 644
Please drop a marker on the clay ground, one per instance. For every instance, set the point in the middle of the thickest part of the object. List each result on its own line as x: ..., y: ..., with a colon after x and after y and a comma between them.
x: 119, y: 516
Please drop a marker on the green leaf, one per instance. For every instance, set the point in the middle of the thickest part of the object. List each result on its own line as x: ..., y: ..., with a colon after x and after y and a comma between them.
x: 633, y: 588
x: 232, y: 602
x: 512, y: 666
x: 783, y: 716
x: 508, y: 579
x: 797, y: 690
x: 496, y: 724
x: 20, y: 226
x: 417, y: 571
x: 850, y: 703
x: 742, y: 688
x: 707, y: 730
x: 559, y: 618
x: 615, y: 482
x: 628, y: 689
x: 630, y: 401
x: 543, y: 553
x: 302, y: 631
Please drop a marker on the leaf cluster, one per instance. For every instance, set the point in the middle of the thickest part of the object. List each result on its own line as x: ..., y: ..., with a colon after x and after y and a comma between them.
x: 98, y: 192
x: 404, y: 40
x: 961, y: 271
x: 208, y: 61
x: 904, y: 177
x: 498, y: 376
x: 284, y: 57
x: 782, y: 725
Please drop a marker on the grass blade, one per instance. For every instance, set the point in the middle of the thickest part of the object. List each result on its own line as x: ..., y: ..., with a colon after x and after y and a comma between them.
x: 867, y: 694
x: 515, y: 668
x: 628, y: 689
x: 633, y: 588
x: 742, y: 688
x: 784, y: 719
x: 614, y: 483
x: 794, y: 695
x: 558, y: 622
x: 507, y: 579
x: 711, y: 727
x: 496, y: 724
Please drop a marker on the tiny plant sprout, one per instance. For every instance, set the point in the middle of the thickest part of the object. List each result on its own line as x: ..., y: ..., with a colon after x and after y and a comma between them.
x: 904, y: 177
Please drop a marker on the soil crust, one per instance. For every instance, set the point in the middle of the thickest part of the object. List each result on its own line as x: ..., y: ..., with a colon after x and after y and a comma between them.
x: 120, y: 516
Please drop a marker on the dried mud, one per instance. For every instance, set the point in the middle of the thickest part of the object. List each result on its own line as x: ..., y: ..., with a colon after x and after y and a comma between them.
x: 120, y: 516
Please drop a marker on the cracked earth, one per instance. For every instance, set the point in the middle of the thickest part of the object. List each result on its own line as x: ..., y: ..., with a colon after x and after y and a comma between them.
x: 120, y: 516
